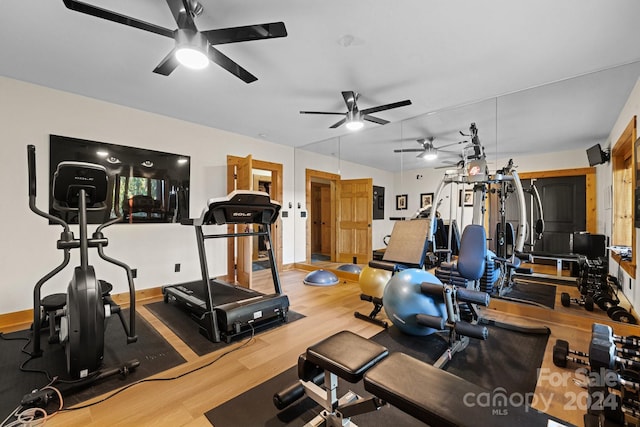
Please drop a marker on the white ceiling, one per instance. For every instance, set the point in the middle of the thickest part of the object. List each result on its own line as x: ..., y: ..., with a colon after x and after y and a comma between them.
x: 536, y: 76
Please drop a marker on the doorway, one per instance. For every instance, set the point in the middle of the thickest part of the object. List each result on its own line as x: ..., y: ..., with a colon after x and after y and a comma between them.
x: 340, y: 218
x: 321, y: 225
x: 246, y: 173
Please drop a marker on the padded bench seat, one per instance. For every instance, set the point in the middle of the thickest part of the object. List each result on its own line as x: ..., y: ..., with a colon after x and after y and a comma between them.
x: 346, y: 354
x: 437, y: 397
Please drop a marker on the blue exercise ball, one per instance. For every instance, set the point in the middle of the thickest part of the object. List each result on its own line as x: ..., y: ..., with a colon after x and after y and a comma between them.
x: 403, y: 301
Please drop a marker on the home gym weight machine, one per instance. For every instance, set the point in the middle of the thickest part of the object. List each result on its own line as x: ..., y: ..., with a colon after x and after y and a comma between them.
x: 81, y: 313
x: 224, y: 310
x: 509, y: 242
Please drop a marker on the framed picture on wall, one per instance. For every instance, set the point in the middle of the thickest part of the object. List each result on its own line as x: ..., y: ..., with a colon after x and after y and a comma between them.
x: 426, y: 199
x: 466, y: 198
x: 401, y: 202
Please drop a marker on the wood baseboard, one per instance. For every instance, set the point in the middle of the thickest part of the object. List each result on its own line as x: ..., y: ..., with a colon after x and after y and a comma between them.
x: 18, y: 320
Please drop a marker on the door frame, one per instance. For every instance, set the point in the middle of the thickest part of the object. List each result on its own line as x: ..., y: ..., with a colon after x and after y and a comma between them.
x: 276, y: 194
x: 333, y: 180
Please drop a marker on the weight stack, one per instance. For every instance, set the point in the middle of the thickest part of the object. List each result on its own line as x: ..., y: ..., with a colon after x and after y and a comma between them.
x: 447, y: 273
x: 491, y: 274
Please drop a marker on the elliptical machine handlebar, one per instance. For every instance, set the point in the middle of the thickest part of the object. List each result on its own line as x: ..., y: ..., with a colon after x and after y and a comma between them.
x: 31, y: 164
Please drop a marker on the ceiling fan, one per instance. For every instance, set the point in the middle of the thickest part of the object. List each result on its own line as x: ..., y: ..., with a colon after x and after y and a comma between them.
x: 428, y: 150
x: 191, y: 43
x: 354, y: 117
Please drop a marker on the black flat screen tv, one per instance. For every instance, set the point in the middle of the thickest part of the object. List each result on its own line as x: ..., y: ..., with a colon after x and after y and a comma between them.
x: 596, y: 156
x: 145, y: 186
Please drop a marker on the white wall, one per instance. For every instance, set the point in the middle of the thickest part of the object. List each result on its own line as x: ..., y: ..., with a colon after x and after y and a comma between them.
x: 29, y: 114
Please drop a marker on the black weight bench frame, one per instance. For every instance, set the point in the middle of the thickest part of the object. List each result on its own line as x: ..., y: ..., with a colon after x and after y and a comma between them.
x: 429, y: 394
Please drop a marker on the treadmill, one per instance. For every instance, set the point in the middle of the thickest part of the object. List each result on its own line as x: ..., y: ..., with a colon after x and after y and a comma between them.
x: 224, y: 310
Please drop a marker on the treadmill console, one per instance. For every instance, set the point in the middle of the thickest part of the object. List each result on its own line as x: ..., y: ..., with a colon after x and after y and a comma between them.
x: 241, y: 207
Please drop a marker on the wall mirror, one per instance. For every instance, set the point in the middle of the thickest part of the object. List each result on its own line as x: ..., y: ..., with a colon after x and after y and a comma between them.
x: 514, y: 125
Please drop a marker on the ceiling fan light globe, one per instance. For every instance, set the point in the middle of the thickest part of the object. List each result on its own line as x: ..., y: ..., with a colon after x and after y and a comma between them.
x: 192, y: 58
x: 355, y: 125
x: 430, y: 156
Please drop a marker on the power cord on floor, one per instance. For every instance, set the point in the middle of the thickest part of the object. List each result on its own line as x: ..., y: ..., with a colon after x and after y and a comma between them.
x: 184, y: 374
x: 37, y: 416
x: 31, y: 417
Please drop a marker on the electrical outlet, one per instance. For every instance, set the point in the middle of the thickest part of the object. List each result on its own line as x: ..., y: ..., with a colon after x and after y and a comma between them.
x: 176, y: 268
x: 134, y: 272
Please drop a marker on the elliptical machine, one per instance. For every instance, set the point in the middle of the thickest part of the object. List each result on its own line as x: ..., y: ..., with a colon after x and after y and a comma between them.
x: 80, y: 187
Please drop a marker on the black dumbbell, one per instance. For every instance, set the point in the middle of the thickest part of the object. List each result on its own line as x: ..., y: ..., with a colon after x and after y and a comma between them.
x: 561, y: 352
x: 602, y: 405
x: 602, y: 354
x: 586, y: 301
x: 606, y: 331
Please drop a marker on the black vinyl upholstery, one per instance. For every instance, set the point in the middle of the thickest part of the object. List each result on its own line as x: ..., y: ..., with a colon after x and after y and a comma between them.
x: 439, y: 398
x: 346, y: 354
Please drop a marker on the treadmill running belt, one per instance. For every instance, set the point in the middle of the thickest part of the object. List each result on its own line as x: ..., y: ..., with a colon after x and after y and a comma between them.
x: 221, y: 293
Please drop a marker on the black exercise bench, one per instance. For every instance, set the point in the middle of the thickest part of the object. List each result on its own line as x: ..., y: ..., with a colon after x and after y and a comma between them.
x: 431, y: 395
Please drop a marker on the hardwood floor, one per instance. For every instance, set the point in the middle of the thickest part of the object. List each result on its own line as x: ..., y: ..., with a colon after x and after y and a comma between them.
x: 328, y: 310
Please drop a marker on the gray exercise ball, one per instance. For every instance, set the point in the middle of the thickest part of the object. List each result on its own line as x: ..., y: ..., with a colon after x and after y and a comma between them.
x: 321, y: 278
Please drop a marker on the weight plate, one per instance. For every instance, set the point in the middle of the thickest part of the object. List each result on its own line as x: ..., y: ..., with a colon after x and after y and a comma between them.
x: 613, y: 310
x: 605, y: 303
x: 622, y: 315
x: 565, y: 299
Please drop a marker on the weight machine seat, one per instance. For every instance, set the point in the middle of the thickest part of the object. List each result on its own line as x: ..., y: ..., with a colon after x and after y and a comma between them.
x: 437, y: 397
x: 473, y: 252
x: 346, y: 354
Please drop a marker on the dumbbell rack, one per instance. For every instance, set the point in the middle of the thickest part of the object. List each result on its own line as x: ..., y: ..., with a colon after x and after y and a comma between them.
x: 597, y: 288
x: 613, y: 383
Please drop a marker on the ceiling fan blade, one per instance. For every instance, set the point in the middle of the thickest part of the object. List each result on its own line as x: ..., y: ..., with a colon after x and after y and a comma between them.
x: 228, y: 64
x: 321, y: 112
x: 386, y: 107
x: 451, y: 144
x: 243, y: 34
x: 374, y: 119
x: 168, y: 64
x: 98, y: 12
x: 180, y: 10
x: 340, y: 123
x: 350, y: 98
x: 408, y: 150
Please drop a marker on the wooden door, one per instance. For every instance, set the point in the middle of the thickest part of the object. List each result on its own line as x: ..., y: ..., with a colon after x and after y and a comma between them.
x: 326, y: 227
x: 316, y: 218
x: 355, y: 214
